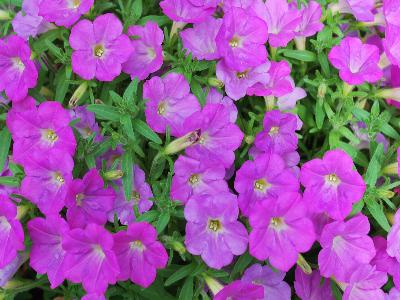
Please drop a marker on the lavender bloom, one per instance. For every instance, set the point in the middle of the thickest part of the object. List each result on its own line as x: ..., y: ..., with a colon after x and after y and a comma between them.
x: 7, y: 272
x: 215, y: 97
x: 361, y: 9
x: 288, y: 101
x: 308, y: 287
x: 239, y: 290
x: 391, y: 44
x: 187, y: 11
x: 87, y: 124
x: 310, y: 19
x: 393, y: 239
x: 394, y: 294
x: 212, y: 229
x: 391, y: 10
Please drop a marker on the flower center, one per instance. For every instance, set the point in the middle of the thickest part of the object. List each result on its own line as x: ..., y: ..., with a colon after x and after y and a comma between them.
x: 274, y: 130
x: 261, y: 185
x: 161, y: 108
x: 98, y: 50
x: 99, y: 251
x: 202, y: 139
x: 214, y: 225
x: 135, y: 196
x: 76, y: 3
x: 50, y: 135
x: 79, y: 199
x: 151, y: 53
x: 18, y: 64
x: 277, y: 223
x: 58, y: 178
x: 137, y: 245
x: 4, y: 224
x: 194, y: 179
x: 234, y: 42
x: 332, y: 179
x: 241, y: 75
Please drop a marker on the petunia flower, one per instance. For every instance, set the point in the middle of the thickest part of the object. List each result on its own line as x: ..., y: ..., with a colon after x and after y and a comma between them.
x: 288, y: 101
x: 393, y: 238
x: 215, y: 97
x: 391, y: 11
x: 239, y: 290
x: 88, y: 201
x: 345, y: 245
x: 8, y: 272
x: 200, y: 40
x: 281, y: 230
x: 262, y: 179
x: 310, y: 19
x: 64, y: 12
x: 361, y: 9
x: 218, y: 138
x: 391, y: 44
x: 188, y: 11
x: 169, y: 103
x: 271, y: 280
x: 394, y: 294
x: 139, y: 254
x: 99, y: 48
x: 87, y: 124
x: 18, y: 72
x: 147, y: 56
x: 212, y: 229
x: 309, y: 287
x: 331, y: 184
x: 357, y: 62
x: 90, y: 258
x: 11, y: 232
x: 196, y: 176
x: 47, y: 180
x: 47, y: 255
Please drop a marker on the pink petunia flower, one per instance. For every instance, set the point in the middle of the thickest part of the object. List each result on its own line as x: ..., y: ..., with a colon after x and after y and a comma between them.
x: 391, y: 44
x: 393, y: 238
x: 391, y: 11
x: 239, y: 290
x: 188, y: 11
x: 139, y: 254
x: 87, y: 124
x: 310, y: 19
x: 7, y: 273
x: 309, y: 287
x: 215, y: 97
x: 100, y: 48
x: 361, y: 9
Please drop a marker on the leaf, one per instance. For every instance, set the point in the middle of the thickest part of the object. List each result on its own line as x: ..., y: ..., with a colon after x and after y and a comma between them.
x: 143, y: 129
x: 149, y: 216
x: 160, y: 20
x: 348, y: 134
x: 157, y: 166
x: 137, y: 8
x: 162, y: 221
x: 131, y: 91
x: 302, y: 55
x: 105, y: 112
x: 62, y: 80
x: 182, y: 272
x: 360, y: 114
x: 357, y: 207
x: 9, y: 181
x: 241, y: 264
x: 187, y: 289
x: 323, y: 61
x: 377, y: 212
x: 336, y: 291
x: 5, y: 142
x: 126, y: 122
x: 390, y: 131
x: 126, y: 166
x: 319, y: 113
x: 374, y: 166
x: 198, y: 92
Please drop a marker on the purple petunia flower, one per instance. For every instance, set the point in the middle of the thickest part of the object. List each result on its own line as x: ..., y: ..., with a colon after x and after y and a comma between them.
x: 170, y: 103
x: 331, y: 184
x: 215, y: 97
x: 90, y: 249
x: 394, y: 294
x: 64, y: 12
x: 141, y: 194
x: 7, y: 272
x: 263, y: 180
x: 393, y: 238
x: 188, y: 11
x: 87, y: 124
x: 88, y: 201
x: 47, y: 180
x: 147, y: 56
x: 361, y: 9
x: 139, y: 254
x: 345, y: 245
x: 280, y: 230
x: 212, y: 229
x: 11, y: 232
x: 94, y: 296
x: 218, y: 138
x: 47, y: 255
x: 357, y: 62
x: 241, y: 40
x: 18, y: 72
x: 271, y: 280
x: 288, y: 101
x: 200, y: 40
x: 309, y: 287
x: 195, y: 177
x: 310, y: 19
x: 391, y: 44
x: 239, y: 290
x: 391, y: 10
x: 100, y: 48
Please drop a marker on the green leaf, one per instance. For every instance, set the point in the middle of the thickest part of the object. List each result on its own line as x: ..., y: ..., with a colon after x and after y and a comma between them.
x: 302, y: 55
x: 377, y: 212
x: 319, y: 113
x: 149, y: 216
x: 390, y: 131
x: 323, y: 61
x: 9, y: 181
x: 241, y: 264
x: 198, y: 92
x: 62, y: 80
x: 137, y: 8
x: 357, y: 207
x: 131, y: 91
x: 157, y: 167
x: 182, y: 272
x: 126, y: 165
x: 143, y: 129
x: 348, y: 134
x: 5, y: 142
x: 160, y: 20
x: 374, y: 167
x: 163, y: 221
x: 105, y: 112
x: 336, y: 291
x: 187, y: 289
x: 360, y: 114
x: 126, y: 122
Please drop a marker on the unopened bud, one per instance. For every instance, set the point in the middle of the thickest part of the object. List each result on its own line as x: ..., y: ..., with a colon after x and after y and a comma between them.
x: 393, y: 94
x: 215, y: 82
x: 212, y: 284
x: 183, y: 142
x: 304, y: 265
x: 78, y: 94
x: 391, y: 169
x: 322, y: 88
x: 5, y: 15
x: 113, y: 175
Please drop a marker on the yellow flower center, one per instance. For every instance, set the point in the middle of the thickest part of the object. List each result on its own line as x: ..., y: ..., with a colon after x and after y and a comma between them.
x: 261, y: 185
x: 135, y: 196
x: 18, y: 63
x: 332, y: 179
x: 214, y: 225
x: 50, y: 135
x: 277, y: 223
x: 99, y: 251
x: 58, y: 177
x: 79, y: 199
x: 274, y: 130
x: 161, y: 108
x: 241, y: 75
x: 98, y: 51
x: 137, y: 245
x: 234, y: 42
x: 194, y: 179
x: 76, y: 3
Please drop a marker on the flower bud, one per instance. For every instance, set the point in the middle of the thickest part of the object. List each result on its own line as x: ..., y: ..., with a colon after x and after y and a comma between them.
x: 393, y: 94
x: 215, y: 82
x: 182, y: 142
x: 213, y: 284
x: 78, y: 94
x: 391, y: 169
x: 303, y: 264
x: 113, y: 175
x: 322, y: 90
x: 5, y: 15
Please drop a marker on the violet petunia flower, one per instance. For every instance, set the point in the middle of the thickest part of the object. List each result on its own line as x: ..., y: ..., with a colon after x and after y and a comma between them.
x: 218, y: 137
x: 357, y: 62
x: 215, y: 97
x: 331, y: 184
x: 239, y: 290
x: 391, y: 44
x: 393, y: 238
x: 18, y: 72
x: 310, y: 19
x: 394, y: 294
x: 139, y: 254
x: 11, y: 232
x: 188, y: 11
x: 90, y: 258
x: 169, y: 103
x: 64, y: 12
x: 212, y: 229
x: 391, y: 11
x: 195, y: 177
x: 87, y: 124
x: 281, y: 230
x: 263, y: 179
x: 345, y: 245
x: 200, y: 40
x: 361, y: 9
x: 271, y: 280
x: 47, y: 255
x: 100, y: 48
x: 288, y: 101
x: 8, y: 272
x: 147, y: 56
x: 309, y: 287
x: 88, y: 201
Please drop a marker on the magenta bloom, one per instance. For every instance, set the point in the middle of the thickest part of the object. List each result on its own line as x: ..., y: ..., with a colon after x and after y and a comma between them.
x: 365, y: 283
x: 279, y: 134
x: 288, y: 101
x: 308, y: 287
x: 87, y: 124
x: 394, y: 294
x: 47, y: 180
x: 36, y: 131
x: 147, y: 56
x: 200, y: 40
x: 391, y: 10
x: 88, y: 201
x: 345, y: 245
x: 357, y: 62
x: 100, y: 48
x: 8, y: 272
x: 262, y: 179
x: 141, y: 195
x: 239, y: 290
x: 271, y: 280
x: 218, y: 139
x: 64, y: 12
x: 360, y: 9
x: 169, y: 103
x: 139, y: 254
x: 196, y: 177
x: 310, y: 19
x: 241, y: 40
x: 331, y: 184
x: 391, y: 44
x: 47, y: 255
x: 212, y: 229
x: 281, y: 230
x: 11, y: 232
x: 18, y: 72
x: 215, y: 97
x: 393, y: 238
x: 90, y: 258
x: 188, y: 11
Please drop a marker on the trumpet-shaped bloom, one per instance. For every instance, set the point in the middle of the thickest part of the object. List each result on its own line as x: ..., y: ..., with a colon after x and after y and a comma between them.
x: 308, y: 286
x: 215, y: 97
x: 100, y: 48
x: 87, y: 124
x: 240, y: 290
x: 188, y: 11
x: 360, y: 9
x: 139, y: 254
x: 212, y: 229
x: 310, y: 19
